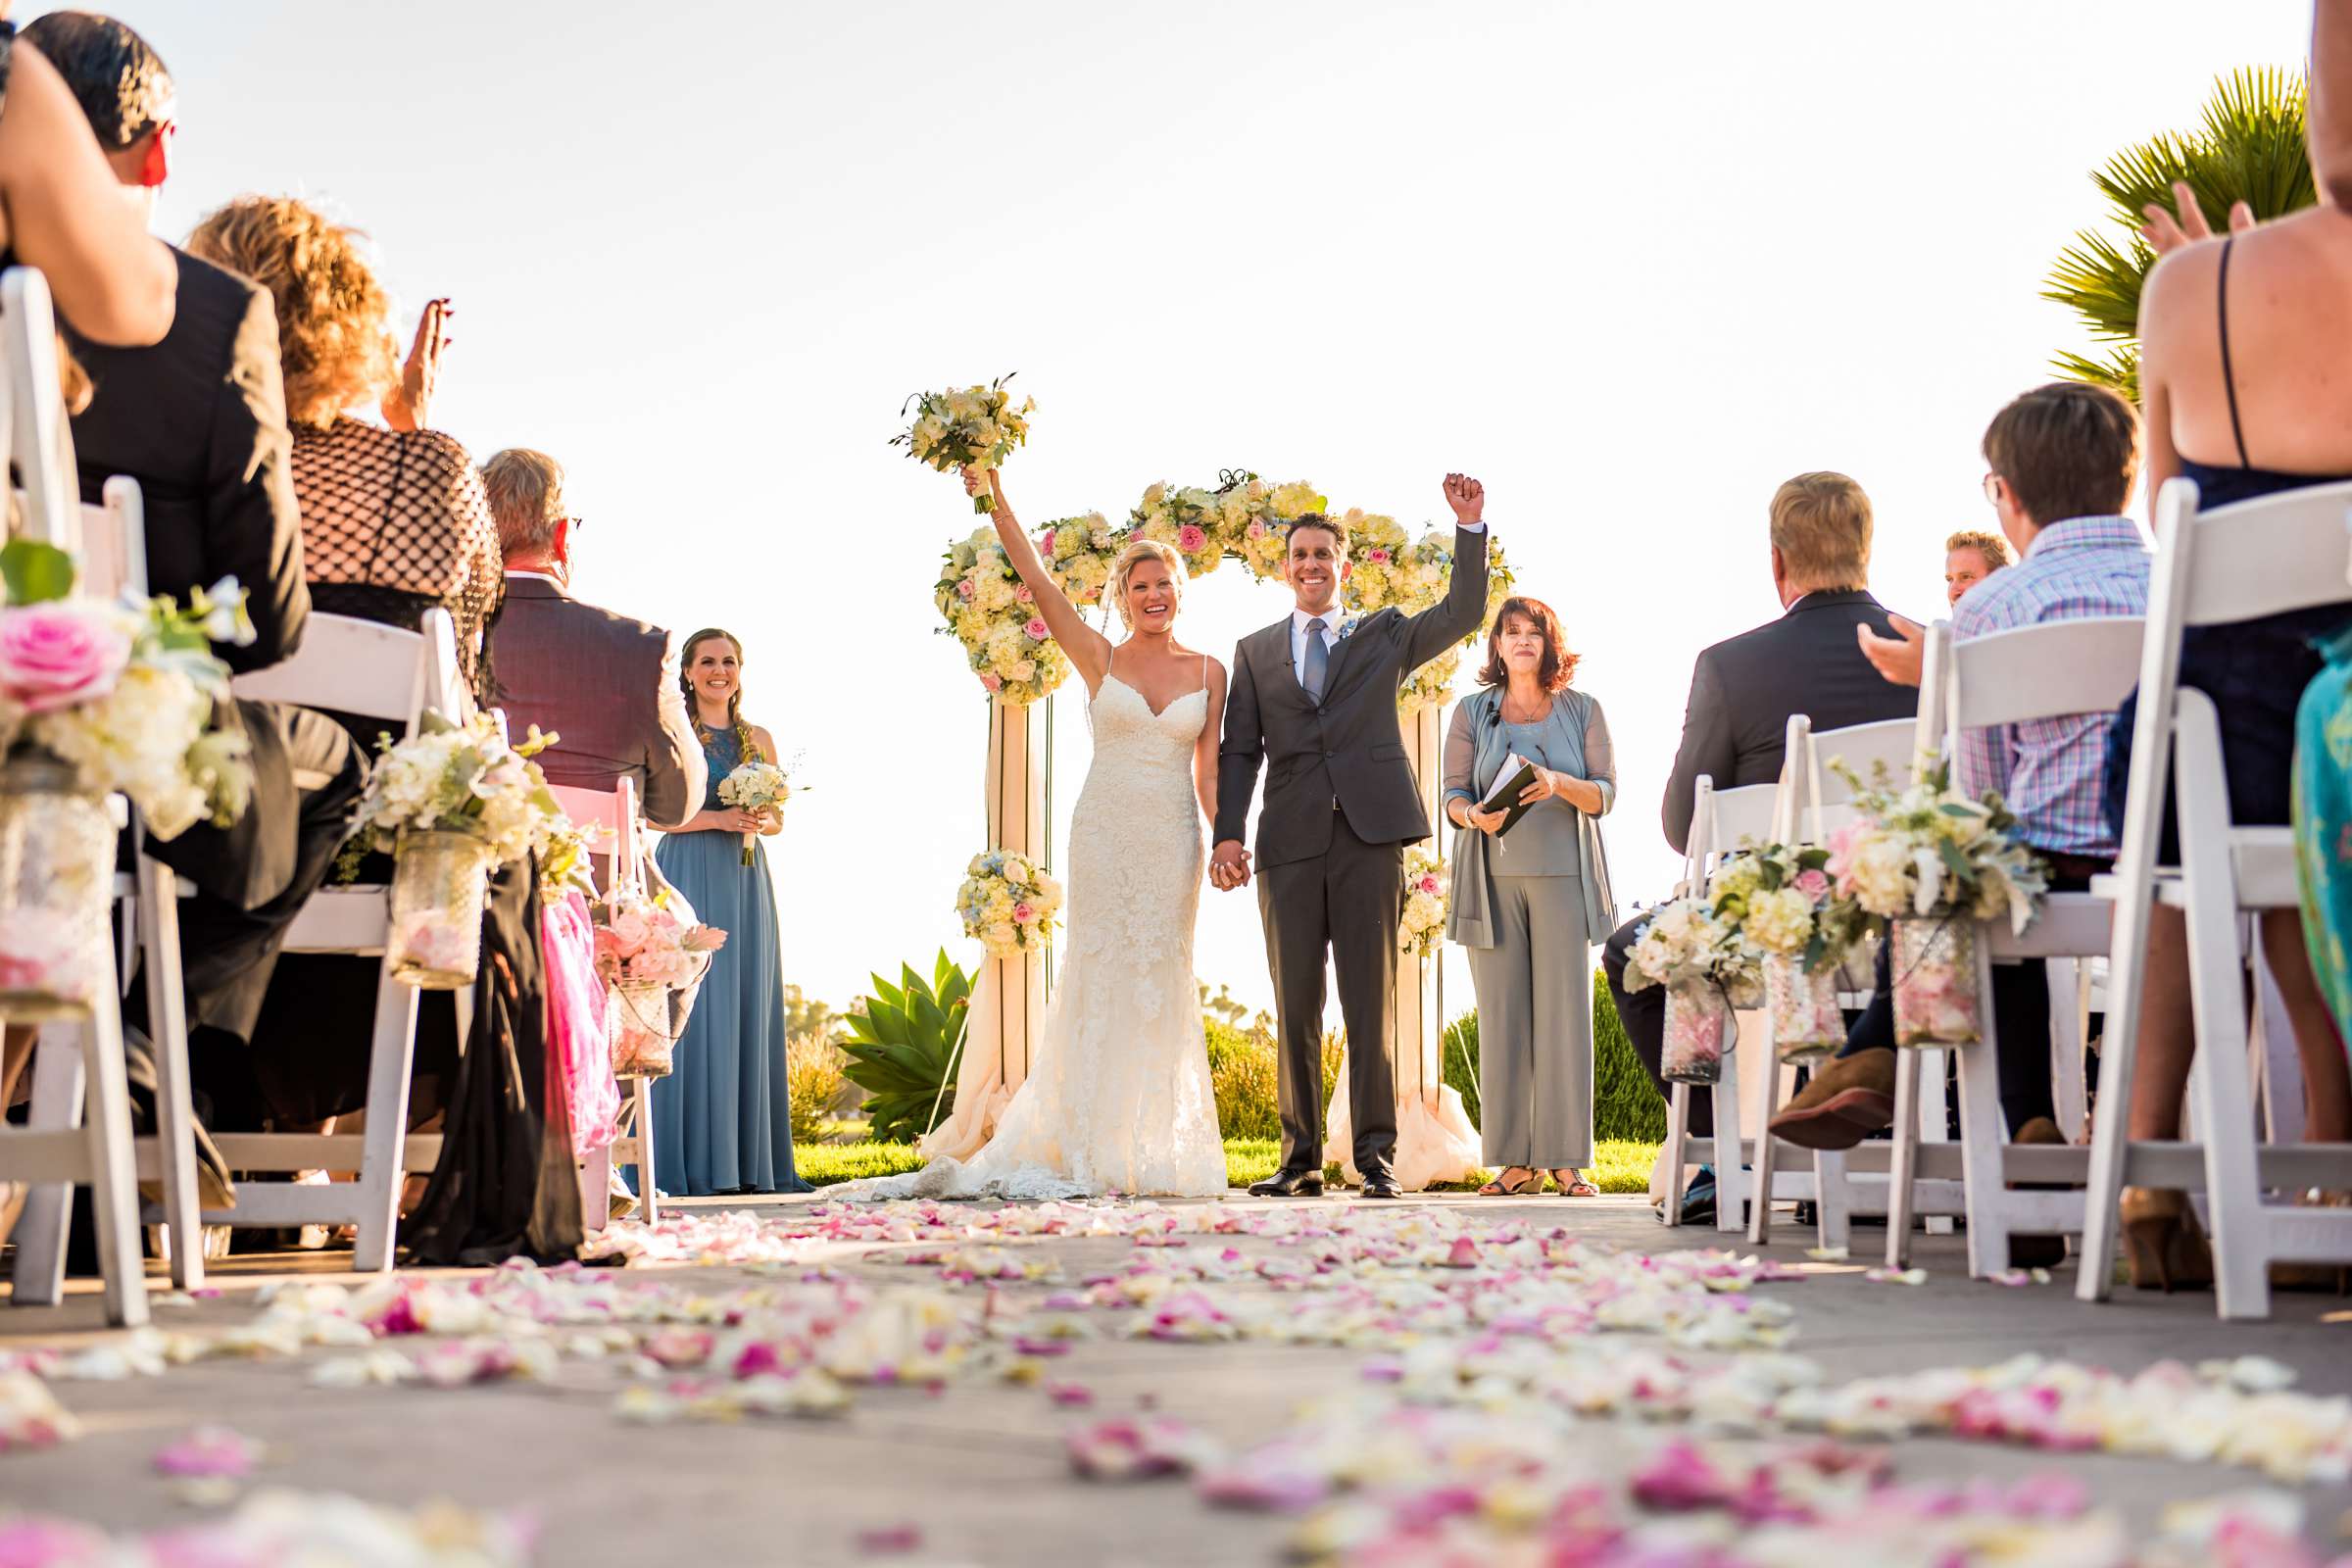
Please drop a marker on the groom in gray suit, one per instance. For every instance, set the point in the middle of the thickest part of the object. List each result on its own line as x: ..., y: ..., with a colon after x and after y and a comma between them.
x: 1314, y: 696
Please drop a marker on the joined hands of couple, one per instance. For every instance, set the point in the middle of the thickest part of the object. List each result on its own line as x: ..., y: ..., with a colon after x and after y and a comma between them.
x: 1229, y: 865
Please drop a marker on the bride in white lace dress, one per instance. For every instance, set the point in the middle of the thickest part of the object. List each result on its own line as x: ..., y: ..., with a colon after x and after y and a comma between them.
x: 1119, y: 1100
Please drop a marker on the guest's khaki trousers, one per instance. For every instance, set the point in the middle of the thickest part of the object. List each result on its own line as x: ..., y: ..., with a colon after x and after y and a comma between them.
x: 1535, y: 1025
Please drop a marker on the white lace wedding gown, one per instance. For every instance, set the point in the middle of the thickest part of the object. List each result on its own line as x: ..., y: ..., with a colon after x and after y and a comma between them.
x: 1119, y: 1100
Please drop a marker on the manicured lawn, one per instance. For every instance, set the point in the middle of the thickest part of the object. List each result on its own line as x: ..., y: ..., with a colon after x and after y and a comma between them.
x: 1617, y: 1167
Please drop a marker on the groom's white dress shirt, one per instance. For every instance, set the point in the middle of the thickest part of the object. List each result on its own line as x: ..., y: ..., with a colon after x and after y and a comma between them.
x: 1331, y: 618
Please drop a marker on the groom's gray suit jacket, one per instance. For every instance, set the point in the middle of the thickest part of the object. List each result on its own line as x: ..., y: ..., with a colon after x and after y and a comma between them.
x: 1348, y: 748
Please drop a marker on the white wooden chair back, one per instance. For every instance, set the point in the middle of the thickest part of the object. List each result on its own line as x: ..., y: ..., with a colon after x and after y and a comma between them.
x: 1828, y: 799
x: 612, y: 816
x: 348, y: 665
x: 2045, y: 671
x: 114, y: 543
x: 40, y: 441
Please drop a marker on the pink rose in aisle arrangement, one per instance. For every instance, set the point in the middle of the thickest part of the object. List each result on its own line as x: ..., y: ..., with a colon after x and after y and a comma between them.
x: 57, y: 654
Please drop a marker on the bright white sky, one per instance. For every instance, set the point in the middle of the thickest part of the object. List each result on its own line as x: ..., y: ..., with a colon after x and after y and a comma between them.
x: 1631, y: 265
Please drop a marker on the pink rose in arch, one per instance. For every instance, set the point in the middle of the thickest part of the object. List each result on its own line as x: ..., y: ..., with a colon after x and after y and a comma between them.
x: 1257, y: 530
x: 1037, y: 628
x: 1379, y: 557
x: 56, y: 655
x: 1024, y: 912
x: 1190, y: 539
x: 1023, y: 594
x: 963, y: 588
x: 993, y: 681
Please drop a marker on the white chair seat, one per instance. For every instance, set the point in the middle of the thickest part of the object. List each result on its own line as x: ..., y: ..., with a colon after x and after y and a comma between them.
x: 2070, y: 925
x: 349, y: 919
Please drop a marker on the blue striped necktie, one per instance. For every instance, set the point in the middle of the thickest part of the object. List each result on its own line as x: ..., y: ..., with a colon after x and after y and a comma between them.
x: 1318, y: 661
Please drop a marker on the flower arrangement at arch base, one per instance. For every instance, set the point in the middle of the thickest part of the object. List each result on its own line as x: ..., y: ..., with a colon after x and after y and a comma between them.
x: 99, y: 698
x: 1932, y: 863
x: 1009, y: 906
x: 1422, y: 930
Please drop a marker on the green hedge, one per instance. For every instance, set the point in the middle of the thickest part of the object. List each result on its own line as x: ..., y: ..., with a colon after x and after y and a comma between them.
x: 1626, y: 1105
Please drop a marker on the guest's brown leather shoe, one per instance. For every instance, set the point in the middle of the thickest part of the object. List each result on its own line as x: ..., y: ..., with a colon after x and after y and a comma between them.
x: 1848, y: 1098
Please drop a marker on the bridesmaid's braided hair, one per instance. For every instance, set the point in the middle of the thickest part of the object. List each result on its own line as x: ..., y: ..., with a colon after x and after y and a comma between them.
x: 743, y: 731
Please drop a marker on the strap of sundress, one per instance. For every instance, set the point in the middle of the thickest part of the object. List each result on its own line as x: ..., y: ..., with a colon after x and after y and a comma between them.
x: 2229, y: 380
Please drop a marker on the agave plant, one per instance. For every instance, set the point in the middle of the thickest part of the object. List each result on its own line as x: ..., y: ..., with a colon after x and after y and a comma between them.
x: 2250, y: 148
x: 902, y: 1048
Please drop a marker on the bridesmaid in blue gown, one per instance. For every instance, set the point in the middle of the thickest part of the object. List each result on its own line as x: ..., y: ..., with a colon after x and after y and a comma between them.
x: 723, y: 1120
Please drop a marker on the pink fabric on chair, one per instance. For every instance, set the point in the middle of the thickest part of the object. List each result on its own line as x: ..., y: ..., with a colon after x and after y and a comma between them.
x: 576, y: 1041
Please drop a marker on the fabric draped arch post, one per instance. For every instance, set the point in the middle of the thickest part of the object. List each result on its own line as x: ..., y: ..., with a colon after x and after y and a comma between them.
x: 1009, y: 996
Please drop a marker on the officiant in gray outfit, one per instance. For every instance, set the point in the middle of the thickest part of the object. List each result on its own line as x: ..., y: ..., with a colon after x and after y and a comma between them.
x: 1313, y: 700
x: 1530, y: 894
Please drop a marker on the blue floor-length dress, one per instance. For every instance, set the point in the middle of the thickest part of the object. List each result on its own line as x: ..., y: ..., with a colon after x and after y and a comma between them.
x: 722, y: 1119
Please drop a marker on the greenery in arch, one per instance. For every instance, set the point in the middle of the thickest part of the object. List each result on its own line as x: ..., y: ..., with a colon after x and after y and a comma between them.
x: 2249, y: 147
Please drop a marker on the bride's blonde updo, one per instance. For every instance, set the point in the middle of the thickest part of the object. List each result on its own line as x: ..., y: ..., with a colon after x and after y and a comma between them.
x: 1138, y: 552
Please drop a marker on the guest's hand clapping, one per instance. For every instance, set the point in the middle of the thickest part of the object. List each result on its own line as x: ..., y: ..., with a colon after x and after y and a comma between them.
x: 1467, y: 497
x: 2168, y: 231
x: 408, y: 406
x: 1898, y: 658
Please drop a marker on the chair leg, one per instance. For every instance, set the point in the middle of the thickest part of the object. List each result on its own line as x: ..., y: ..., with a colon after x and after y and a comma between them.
x: 176, y: 1113
x: 59, y: 1079
x: 2068, y: 1050
x: 1732, y: 1183
x: 1677, y: 1111
x: 1906, y: 1157
x: 2233, y: 1180
x: 595, y: 1188
x: 1759, y: 1213
x: 1936, y: 1071
x: 1832, y: 1199
x: 380, y: 1172
x: 649, y: 1202
x: 113, y: 1171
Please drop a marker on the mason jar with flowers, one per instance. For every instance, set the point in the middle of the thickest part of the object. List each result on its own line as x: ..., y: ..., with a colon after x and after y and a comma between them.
x: 449, y: 804
x: 1782, y: 903
x: 644, y: 951
x: 98, y: 699
x: 1708, y: 972
x: 1932, y: 863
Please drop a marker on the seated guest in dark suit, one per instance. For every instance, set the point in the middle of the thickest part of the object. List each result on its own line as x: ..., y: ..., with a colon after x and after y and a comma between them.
x: 199, y: 421
x: 604, y: 685
x: 1735, y: 725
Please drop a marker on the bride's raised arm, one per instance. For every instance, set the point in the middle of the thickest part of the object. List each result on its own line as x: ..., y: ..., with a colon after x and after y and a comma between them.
x: 1088, y: 648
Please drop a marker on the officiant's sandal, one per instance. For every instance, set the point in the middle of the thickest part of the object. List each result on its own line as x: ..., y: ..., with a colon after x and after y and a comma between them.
x: 1503, y: 1187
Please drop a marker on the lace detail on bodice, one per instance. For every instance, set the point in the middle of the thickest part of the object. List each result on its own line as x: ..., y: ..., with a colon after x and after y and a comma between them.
x: 723, y: 751
x: 1119, y: 1099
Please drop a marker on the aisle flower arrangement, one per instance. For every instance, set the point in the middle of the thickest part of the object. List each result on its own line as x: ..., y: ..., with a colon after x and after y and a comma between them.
x: 98, y: 699
x: 1422, y: 930
x: 1080, y: 553
x: 643, y: 953
x: 1707, y: 971
x: 450, y: 804
x: 976, y: 427
x: 1782, y: 903
x: 992, y: 613
x: 1009, y: 905
x: 1933, y: 862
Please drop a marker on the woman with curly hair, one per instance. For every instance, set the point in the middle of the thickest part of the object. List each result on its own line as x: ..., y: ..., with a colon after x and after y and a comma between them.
x: 722, y: 1121
x: 394, y: 519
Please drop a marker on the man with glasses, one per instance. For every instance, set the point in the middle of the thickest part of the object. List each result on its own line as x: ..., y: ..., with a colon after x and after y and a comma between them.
x: 606, y: 685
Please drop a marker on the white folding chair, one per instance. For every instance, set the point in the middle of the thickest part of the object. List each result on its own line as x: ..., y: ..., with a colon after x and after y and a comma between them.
x: 614, y: 812
x: 79, y: 1130
x: 2259, y: 558
x: 1721, y: 821
x: 2034, y: 672
x: 382, y: 672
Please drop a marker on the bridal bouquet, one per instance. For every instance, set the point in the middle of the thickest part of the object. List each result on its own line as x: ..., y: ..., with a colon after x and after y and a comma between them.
x: 1707, y: 970
x: 758, y: 785
x: 1081, y: 551
x: 123, y: 694
x: 974, y: 428
x: 1009, y: 905
x: 992, y: 613
x: 1422, y: 930
x: 1933, y: 862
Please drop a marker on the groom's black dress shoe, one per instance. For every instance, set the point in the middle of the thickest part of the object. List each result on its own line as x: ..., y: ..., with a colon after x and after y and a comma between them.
x: 1289, y: 1184
x: 1380, y: 1184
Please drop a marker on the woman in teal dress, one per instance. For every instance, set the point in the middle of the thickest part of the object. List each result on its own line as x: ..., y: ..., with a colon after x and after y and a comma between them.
x: 2323, y: 816
x: 722, y: 1119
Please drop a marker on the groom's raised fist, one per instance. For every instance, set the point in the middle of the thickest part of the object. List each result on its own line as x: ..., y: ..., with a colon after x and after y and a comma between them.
x: 1467, y: 497
x: 1229, y: 866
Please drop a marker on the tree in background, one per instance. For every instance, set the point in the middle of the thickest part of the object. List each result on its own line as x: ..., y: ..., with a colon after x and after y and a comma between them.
x: 2249, y: 149
x: 805, y: 1014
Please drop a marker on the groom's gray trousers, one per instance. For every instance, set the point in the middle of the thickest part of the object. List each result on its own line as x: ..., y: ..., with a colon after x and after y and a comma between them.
x: 1347, y: 900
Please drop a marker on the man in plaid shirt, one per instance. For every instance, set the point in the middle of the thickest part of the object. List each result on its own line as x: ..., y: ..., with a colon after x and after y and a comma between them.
x: 2068, y: 453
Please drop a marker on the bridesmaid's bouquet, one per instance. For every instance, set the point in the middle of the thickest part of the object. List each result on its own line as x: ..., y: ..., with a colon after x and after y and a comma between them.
x: 758, y: 785
x: 975, y: 429
x: 1009, y: 905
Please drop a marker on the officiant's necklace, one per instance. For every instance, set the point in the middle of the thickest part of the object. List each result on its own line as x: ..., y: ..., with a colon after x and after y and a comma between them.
x: 1542, y: 706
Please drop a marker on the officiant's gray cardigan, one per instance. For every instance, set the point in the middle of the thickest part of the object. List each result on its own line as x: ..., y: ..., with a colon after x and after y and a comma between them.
x: 1555, y: 839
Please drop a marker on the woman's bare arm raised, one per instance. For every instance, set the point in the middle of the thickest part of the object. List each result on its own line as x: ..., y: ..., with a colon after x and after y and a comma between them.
x: 1087, y: 648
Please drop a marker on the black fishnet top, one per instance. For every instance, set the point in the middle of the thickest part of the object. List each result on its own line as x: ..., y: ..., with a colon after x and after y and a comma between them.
x: 394, y: 523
